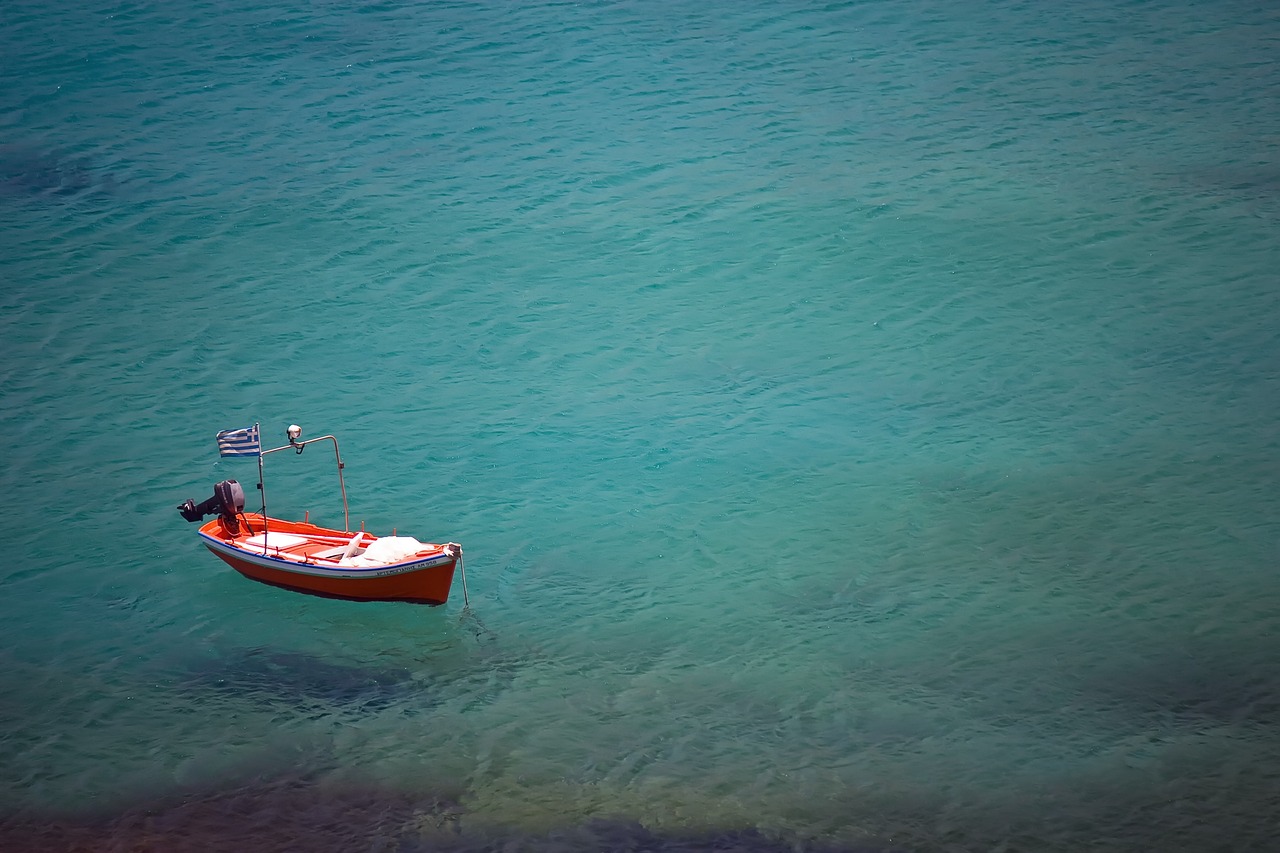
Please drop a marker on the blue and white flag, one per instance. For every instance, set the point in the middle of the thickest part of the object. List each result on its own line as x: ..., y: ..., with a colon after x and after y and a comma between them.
x: 240, y: 442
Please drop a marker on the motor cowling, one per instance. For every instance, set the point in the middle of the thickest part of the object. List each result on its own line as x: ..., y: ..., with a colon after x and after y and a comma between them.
x: 227, y: 501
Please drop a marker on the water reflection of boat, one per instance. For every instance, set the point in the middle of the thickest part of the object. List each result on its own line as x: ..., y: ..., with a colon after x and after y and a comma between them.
x: 318, y: 560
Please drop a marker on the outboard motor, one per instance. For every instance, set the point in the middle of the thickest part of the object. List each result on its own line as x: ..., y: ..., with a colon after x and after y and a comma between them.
x: 227, y: 501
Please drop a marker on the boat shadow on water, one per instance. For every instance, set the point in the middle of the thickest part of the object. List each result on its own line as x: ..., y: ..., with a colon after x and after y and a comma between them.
x: 266, y: 677
x: 471, y: 664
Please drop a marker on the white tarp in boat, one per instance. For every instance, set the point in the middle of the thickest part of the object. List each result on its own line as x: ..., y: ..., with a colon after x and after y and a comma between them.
x: 388, y: 549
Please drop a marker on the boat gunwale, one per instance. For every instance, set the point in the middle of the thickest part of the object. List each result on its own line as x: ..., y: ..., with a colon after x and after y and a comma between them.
x: 306, y: 566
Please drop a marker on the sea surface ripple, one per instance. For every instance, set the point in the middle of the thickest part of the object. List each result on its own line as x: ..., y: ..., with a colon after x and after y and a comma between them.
x: 860, y: 418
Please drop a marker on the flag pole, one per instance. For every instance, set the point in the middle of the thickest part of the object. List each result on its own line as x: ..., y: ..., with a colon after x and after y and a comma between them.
x: 257, y: 428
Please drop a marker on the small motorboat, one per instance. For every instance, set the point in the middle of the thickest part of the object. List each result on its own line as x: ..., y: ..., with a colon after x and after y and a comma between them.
x: 304, y: 557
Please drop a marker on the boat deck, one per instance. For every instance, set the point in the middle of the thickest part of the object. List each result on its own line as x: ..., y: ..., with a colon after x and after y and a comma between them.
x: 304, y: 549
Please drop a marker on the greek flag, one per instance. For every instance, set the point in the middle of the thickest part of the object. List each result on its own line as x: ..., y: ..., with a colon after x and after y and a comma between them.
x: 239, y: 442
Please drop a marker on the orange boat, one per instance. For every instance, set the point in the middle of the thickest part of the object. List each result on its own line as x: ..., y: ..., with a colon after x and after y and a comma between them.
x: 301, y: 556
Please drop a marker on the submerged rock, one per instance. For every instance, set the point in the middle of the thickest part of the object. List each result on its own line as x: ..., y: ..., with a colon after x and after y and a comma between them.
x: 305, y: 813
x: 280, y: 814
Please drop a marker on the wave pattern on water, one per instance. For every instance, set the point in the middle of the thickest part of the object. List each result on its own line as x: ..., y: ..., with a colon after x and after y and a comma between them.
x: 858, y: 417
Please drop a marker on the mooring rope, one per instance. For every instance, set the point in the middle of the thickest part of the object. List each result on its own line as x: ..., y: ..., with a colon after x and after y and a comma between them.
x: 462, y: 568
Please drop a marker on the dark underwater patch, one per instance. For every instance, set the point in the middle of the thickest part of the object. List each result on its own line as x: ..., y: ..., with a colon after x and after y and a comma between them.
x: 1194, y: 686
x: 286, y: 813
x: 31, y: 173
x: 306, y: 813
x: 621, y: 836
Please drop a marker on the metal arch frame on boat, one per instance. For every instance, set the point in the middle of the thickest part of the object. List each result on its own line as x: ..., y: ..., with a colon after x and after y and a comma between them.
x: 295, y: 432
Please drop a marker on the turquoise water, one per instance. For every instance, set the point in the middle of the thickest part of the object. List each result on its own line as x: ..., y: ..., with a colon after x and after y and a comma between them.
x: 860, y: 419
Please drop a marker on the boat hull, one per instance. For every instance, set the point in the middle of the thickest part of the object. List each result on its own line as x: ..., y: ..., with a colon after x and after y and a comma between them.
x: 425, y: 577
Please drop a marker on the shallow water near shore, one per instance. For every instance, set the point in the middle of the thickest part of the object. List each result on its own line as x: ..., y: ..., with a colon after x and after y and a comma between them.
x: 859, y: 419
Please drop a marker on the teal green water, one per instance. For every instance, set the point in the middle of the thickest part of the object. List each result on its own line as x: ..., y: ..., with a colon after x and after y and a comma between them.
x: 860, y: 420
